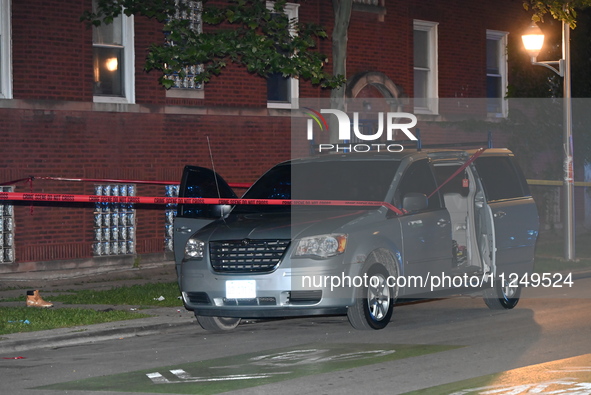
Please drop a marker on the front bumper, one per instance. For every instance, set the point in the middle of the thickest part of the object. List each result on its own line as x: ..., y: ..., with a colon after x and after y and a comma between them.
x: 286, y: 292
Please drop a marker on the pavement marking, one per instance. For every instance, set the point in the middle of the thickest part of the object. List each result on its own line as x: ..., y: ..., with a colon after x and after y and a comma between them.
x: 250, y: 370
x: 570, y: 376
x: 184, y: 377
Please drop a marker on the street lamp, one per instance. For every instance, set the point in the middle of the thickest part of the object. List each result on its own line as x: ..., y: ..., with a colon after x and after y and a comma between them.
x: 533, y: 39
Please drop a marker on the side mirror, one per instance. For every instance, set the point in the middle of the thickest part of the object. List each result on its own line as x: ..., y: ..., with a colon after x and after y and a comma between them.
x: 221, y: 210
x: 415, y: 201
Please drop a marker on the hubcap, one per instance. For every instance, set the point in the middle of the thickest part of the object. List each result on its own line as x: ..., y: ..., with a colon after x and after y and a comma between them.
x: 508, y: 291
x: 378, y: 297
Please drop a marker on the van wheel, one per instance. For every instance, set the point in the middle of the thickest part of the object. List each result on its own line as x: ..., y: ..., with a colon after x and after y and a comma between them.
x: 374, y: 303
x: 217, y: 324
x: 502, y: 296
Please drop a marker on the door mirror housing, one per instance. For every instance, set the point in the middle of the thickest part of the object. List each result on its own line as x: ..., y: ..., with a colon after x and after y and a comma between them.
x: 221, y: 210
x: 415, y: 201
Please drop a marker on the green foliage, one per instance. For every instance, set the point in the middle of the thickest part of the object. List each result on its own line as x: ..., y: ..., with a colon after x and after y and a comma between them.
x: 243, y: 32
x: 561, y: 10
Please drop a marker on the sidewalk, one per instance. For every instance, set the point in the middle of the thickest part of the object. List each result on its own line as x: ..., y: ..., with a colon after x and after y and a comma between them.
x: 164, y: 318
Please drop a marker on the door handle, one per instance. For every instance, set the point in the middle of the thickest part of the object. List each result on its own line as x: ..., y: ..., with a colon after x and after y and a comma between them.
x: 499, y: 214
x: 442, y: 222
x: 183, y: 230
x: 415, y: 224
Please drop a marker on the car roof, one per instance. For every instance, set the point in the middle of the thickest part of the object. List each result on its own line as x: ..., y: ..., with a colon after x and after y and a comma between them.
x: 439, y: 153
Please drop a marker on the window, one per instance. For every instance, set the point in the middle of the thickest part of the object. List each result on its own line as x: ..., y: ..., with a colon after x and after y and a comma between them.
x: 114, y: 223
x: 199, y: 182
x: 113, y: 61
x: 496, y: 73
x: 281, y: 90
x: 501, y: 179
x: 5, y: 51
x: 6, y: 229
x: 186, y: 86
x: 425, y: 67
x: 418, y: 178
x: 456, y: 184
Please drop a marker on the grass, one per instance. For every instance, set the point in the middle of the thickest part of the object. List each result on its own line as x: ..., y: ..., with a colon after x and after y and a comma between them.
x: 555, y: 264
x: 553, y: 245
x: 24, y: 319
x: 12, y: 318
x: 550, y: 252
x: 144, y: 295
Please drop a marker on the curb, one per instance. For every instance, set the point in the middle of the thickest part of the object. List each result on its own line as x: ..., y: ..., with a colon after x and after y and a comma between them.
x: 64, y: 337
x: 78, y: 273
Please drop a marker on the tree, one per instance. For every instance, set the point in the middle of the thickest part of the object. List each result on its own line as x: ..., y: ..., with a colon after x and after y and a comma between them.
x: 243, y: 32
x: 565, y: 11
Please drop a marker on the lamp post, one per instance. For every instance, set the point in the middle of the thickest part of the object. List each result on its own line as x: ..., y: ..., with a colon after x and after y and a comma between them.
x: 533, y: 39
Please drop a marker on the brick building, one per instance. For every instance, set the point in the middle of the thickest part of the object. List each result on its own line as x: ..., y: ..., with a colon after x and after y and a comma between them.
x: 62, y: 116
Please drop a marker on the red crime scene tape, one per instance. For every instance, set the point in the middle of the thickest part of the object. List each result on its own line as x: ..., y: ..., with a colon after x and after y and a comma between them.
x: 49, y: 197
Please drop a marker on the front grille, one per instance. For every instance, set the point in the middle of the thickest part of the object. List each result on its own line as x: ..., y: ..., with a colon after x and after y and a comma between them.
x: 246, y: 256
x: 264, y: 301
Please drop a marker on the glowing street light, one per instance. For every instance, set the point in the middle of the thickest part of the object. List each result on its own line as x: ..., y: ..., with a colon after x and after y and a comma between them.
x: 533, y: 40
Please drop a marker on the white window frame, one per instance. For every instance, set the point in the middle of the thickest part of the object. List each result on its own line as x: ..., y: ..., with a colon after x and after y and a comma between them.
x: 501, y: 38
x: 433, y: 77
x: 291, y: 9
x: 5, y: 50
x: 127, y: 36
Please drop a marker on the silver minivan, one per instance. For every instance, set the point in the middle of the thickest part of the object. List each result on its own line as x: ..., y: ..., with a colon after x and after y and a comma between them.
x: 353, y: 233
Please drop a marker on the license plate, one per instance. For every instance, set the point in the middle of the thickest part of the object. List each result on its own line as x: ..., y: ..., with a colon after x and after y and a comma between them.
x: 241, y: 289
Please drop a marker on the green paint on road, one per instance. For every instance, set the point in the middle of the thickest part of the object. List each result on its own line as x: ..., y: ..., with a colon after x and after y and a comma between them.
x: 571, y: 376
x: 250, y: 370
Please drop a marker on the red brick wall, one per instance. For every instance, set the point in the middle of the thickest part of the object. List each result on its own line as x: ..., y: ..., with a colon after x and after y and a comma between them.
x: 147, y: 88
x: 52, y: 51
x: 382, y: 46
x: 133, y: 146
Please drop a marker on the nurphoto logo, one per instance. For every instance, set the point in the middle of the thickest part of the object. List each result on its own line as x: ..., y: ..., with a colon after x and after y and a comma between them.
x: 393, y: 121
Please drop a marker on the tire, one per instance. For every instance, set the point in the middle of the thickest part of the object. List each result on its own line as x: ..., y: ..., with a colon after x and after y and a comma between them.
x: 374, y: 303
x: 217, y: 324
x: 502, y: 296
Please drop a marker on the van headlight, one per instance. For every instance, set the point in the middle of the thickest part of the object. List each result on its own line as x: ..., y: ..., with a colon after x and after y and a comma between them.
x: 194, y: 248
x: 322, y: 246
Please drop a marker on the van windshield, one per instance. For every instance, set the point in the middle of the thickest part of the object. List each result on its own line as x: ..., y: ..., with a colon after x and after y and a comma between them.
x: 359, y: 180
